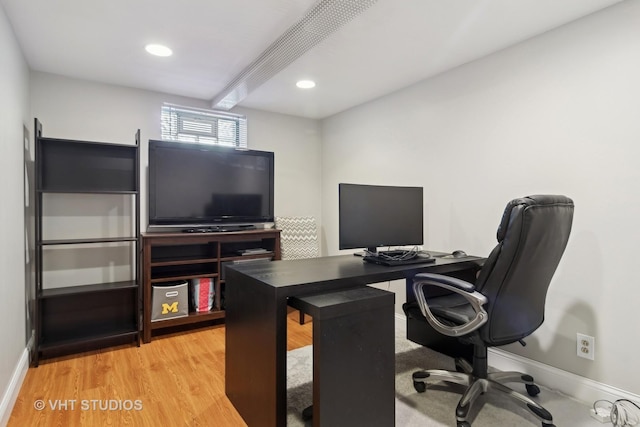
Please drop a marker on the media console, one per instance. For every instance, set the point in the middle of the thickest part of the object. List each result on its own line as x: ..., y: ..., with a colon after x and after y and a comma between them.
x: 177, y: 256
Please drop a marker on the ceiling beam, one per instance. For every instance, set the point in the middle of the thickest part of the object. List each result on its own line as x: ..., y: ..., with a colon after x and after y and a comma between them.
x: 324, y: 18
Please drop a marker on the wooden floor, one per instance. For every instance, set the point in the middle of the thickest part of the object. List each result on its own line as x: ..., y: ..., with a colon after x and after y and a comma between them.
x: 176, y: 380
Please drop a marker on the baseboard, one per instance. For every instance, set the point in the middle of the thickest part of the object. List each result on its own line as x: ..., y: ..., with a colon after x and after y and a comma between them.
x: 11, y: 394
x: 580, y: 388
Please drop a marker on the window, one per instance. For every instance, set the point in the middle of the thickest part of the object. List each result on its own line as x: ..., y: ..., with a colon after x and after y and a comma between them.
x: 203, y: 126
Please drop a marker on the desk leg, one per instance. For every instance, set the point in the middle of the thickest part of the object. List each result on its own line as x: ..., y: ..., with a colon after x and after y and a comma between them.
x: 354, y: 369
x: 255, y: 353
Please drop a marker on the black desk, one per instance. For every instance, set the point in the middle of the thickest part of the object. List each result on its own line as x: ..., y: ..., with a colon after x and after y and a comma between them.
x: 256, y: 328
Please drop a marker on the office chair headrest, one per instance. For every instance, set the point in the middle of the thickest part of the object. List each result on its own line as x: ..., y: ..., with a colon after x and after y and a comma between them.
x: 524, y: 202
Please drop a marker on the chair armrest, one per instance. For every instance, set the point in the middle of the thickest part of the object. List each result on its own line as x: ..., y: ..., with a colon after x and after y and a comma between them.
x: 466, y: 289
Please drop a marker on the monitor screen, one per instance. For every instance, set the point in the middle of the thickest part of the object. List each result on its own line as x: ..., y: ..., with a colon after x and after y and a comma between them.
x: 372, y: 216
x: 197, y: 184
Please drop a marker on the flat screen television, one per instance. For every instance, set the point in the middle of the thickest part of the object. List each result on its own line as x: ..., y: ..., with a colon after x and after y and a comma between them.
x: 198, y: 185
x: 372, y: 216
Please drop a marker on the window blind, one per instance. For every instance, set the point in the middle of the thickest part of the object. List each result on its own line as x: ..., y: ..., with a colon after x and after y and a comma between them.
x: 203, y: 126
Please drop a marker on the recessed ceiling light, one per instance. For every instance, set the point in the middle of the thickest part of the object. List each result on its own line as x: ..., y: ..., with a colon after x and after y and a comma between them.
x: 158, y: 50
x: 306, y: 84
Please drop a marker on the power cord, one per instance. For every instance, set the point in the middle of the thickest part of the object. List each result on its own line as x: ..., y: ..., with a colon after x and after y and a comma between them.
x: 621, y: 413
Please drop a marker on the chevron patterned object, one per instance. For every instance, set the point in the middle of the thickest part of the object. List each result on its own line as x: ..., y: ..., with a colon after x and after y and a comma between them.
x: 298, y: 237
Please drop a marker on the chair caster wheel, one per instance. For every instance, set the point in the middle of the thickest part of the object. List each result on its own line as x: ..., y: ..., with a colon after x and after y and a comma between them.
x: 463, y: 424
x: 533, y: 390
x: 307, y: 413
x: 419, y: 386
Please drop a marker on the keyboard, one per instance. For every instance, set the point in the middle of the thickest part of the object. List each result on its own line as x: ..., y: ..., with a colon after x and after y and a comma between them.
x: 391, y: 262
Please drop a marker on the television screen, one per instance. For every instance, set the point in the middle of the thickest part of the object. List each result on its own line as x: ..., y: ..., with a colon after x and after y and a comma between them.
x: 197, y: 184
x: 372, y: 216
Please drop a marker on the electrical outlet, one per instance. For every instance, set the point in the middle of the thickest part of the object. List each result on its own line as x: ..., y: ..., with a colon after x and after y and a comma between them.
x: 585, y: 346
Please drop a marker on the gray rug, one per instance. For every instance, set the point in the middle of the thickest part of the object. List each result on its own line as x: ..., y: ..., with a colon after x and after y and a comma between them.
x: 435, y: 407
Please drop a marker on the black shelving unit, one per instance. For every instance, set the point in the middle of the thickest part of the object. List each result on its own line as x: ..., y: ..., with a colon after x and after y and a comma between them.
x: 76, y: 318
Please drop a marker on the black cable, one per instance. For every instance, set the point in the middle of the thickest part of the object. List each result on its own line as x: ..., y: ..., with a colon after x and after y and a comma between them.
x: 402, y: 255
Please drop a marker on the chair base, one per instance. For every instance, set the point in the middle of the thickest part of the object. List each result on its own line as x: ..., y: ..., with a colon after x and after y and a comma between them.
x: 477, y: 386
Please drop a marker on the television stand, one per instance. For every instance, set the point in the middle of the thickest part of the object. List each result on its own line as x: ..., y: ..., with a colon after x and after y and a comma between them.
x: 219, y: 228
x: 175, y: 256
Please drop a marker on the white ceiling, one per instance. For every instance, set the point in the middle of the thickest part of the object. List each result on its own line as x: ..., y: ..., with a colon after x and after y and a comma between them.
x: 391, y: 45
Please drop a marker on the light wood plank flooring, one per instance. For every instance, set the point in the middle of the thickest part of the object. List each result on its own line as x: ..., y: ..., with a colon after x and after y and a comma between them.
x: 177, y: 379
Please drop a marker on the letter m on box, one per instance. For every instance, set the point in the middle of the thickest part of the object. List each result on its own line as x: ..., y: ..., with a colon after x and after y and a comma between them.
x: 169, y: 308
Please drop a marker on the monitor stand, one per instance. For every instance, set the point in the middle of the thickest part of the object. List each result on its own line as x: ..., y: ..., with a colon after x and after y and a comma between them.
x: 366, y: 252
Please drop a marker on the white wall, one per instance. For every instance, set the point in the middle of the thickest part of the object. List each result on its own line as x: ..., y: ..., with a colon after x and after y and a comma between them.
x: 14, y: 116
x: 83, y: 110
x: 78, y: 109
x: 556, y: 114
x: 297, y: 144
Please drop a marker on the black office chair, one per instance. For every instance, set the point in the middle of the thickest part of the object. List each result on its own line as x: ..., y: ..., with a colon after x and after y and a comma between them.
x: 505, y: 304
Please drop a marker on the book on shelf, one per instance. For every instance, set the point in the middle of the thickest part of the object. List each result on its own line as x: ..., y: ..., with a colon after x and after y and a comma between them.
x: 254, y: 251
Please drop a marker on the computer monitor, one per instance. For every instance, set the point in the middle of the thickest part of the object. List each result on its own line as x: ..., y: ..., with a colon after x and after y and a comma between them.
x: 372, y: 216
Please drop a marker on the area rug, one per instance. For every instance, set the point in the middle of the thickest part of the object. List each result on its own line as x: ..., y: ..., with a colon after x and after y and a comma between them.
x: 436, y: 406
